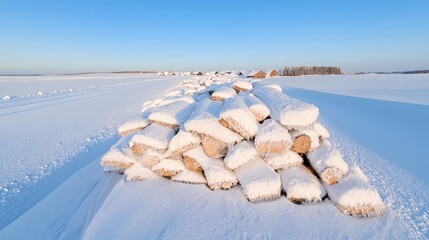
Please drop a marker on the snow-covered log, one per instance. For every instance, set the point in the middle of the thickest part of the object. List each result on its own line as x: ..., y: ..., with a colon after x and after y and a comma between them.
x: 119, y: 156
x: 181, y: 142
x: 301, y: 186
x: 242, y: 86
x: 328, y: 162
x: 236, y: 116
x: 172, y: 115
x: 272, y: 138
x: 222, y: 93
x: 305, y: 139
x: 240, y: 154
x: 168, y: 167
x: 257, y: 107
x: 154, y: 137
x: 191, y: 177
x: 284, y: 160
x: 321, y: 130
x: 354, y: 195
x: 132, y: 126
x: 205, y: 120
x: 149, y: 158
x: 217, y: 175
x: 259, y: 181
x: 288, y: 111
x: 138, y: 172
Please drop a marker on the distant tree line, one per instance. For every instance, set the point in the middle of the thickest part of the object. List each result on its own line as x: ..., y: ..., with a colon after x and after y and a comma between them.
x: 310, y: 70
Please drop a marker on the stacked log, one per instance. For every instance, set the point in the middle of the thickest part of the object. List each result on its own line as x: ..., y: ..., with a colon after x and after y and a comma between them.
x: 214, y: 132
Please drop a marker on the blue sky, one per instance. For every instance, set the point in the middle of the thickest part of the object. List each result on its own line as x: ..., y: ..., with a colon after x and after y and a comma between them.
x: 79, y: 36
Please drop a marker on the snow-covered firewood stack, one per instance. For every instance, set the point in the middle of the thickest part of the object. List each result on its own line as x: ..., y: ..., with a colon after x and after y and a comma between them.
x: 223, y: 131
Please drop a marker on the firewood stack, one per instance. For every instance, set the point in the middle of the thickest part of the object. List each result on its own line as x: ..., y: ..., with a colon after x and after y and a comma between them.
x: 222, y: 131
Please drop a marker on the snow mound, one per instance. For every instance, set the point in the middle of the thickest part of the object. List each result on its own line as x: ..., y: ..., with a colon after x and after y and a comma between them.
x: 288, y: 111
x: 242, y: 86
x: 321, y: 130
x: 259, y: 181
x: 301, y: 186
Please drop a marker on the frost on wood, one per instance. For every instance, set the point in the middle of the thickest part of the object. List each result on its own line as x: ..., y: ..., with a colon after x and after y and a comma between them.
x: 236, y: 116
x: 301, y: 186
x: 354, y: 195
x: 328, y: 162
x: 288, y: 111
x: 240, y: 154
x: 217, y: 175
x: 205, y: 120
x: 259, y: 181
x: 272, y: 138
x: 284, y: 160
x: 132, y: 126
x: 154, y: 137
x: 149, y: 158
x: 257, y: 107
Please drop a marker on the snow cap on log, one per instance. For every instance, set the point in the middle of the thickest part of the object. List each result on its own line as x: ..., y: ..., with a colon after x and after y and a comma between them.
x: 119, y: 156
x: 188, y: 176
x: 301, y: 186
x: 288, y: 111
x: 132, y: 126
x: 181, y: 142
x: 168, y: 167
x: 138, y: 172
x: 149, y: 158
x: 257, y: 107
x: 284, y: 160
x: 259, y: 181
x: 237, y: 116
x: 328, y: 162
x: 173, y: 114
x: 354, y: 195
x: 205, y: 120
x: 242, y: 86
x: 223, y: 93
x: 154, y: 136
x: 240, y: 154
x: 272, y: 138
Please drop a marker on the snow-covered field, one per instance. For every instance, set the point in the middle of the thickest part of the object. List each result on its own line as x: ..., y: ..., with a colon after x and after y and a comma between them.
x: 52, y: 185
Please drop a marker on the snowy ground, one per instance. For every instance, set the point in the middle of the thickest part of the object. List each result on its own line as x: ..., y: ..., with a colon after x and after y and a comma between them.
x: 54, y: 173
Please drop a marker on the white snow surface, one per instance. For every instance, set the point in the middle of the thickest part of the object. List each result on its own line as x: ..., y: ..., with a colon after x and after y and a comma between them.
x: 284, y: 160
x: 288, y: 111
x: 240, y: 154
x: 259, y: 181
x: 272, y: 131
x: 321, y: 130
x: 155, y: 136
x: 299, y: 183
x: 80, y: 201
x: 205, y: 120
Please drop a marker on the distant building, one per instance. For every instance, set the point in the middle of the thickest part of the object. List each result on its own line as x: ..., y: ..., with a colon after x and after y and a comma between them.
x: 257, y: 74
x: 196, y: 73
x: 272, y: 73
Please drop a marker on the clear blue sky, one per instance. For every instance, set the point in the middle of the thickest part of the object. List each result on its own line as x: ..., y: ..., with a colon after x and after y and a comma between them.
x: 78, y: 36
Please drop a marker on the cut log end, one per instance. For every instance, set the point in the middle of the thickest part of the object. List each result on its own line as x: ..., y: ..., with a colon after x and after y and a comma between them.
x: 218, y: 99
x: 362, y: 210
x: 302, y: 144
x: 167, y: 125
x: 191, y: 164
x: 214, y: 148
